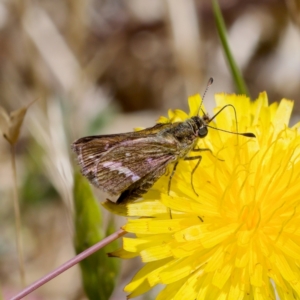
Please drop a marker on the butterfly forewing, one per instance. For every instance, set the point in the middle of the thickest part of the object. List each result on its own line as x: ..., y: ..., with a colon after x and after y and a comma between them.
x: 114, y: 163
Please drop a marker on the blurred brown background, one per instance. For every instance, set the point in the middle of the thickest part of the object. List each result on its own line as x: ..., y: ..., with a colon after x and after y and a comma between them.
x: 108, y: 66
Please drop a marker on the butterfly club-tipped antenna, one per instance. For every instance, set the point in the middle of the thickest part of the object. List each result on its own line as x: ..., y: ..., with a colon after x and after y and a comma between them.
x: 247, y: 134
x: 209, y: 83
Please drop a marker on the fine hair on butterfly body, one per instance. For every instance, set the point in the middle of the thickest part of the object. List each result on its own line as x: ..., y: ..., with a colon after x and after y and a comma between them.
x: 128, y: 164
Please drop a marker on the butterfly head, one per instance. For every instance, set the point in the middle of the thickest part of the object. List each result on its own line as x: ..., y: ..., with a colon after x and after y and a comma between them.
x: 200, y: 126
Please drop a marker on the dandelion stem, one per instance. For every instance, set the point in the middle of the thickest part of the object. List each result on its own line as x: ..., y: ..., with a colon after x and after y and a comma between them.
x: 17, y: 216
x: 235, y: 72
x: 70, y: 263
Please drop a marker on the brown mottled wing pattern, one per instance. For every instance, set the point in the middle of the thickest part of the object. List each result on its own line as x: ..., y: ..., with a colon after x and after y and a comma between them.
x: 115, y: 163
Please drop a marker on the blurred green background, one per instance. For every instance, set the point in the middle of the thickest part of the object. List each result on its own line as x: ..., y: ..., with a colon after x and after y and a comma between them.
x: 100, y: 67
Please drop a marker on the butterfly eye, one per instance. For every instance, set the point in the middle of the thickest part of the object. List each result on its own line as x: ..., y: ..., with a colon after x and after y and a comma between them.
x: 202, y: 132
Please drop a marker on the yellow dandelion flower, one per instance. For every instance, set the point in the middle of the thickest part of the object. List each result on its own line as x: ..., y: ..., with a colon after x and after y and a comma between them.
x: 240, y: 237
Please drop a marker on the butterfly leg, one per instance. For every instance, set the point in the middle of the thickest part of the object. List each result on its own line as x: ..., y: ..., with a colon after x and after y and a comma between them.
x: 201, y: 149
x: 199, y: 157
x: 207, y: 149
x: 197, y: 165
x: 169, y: 185
x: 171, y: 176
x: 195, y: 168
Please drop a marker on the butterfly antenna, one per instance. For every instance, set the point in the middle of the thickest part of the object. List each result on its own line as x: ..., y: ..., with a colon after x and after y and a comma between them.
x: 209, y: 83
x: 247, y: 134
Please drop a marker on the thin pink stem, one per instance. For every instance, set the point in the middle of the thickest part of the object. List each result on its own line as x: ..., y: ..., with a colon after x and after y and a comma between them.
x: 70, y: 263
x: 17, y: 217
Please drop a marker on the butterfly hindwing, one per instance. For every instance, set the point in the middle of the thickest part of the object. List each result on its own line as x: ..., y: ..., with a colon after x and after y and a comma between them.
x: 141, y: 186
